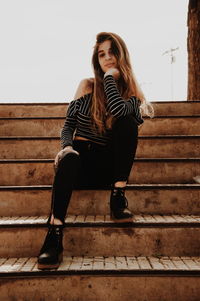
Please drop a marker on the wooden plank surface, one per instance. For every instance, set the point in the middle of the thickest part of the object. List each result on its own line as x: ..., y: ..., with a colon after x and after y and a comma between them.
x: 76, y: 263
x: 7, y: 265
x: 179, y: 263
x: 121, y: 263
x: 28, y: 266
x: 191, y: 263
x: 65, y: 264
x: 156, y: 263
x: 110, y: 263
x: 87, y: 263
x: 102, y: 219
x: 100, y: 263
x: 167, y: 263
x: 144, y: 263
x: 132, y: 263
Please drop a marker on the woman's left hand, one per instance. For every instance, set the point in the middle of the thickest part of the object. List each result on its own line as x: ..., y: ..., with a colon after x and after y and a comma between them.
x: 62, y: 153
x: 114, y: 72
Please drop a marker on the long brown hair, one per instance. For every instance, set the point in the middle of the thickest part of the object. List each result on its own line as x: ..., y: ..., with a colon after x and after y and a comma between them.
x: 127, y: 83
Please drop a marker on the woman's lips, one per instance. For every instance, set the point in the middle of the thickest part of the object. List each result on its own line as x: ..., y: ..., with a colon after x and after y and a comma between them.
x: 109, y: 65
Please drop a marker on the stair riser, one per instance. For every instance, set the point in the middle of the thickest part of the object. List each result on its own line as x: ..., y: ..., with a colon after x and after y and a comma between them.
x: 102, y: 287
x: 171, y: 126
x: 177, y: 109
x: 147, y: 148
x: 34, y: 110
x: 105, y: 241
x: 96, y: 202
x: 59, y: 110
x: 36, y: 173
x: 52, y: 127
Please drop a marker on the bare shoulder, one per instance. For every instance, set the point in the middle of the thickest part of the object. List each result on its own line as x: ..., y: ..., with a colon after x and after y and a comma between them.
x: 85, y: 87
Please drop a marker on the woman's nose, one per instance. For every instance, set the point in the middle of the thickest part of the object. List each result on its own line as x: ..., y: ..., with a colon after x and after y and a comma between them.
x: 108, y: 56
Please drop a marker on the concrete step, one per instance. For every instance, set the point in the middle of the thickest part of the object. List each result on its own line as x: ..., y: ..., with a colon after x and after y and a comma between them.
x: 176, y: 108
x: 148, y: 171
x: 142, y: 198
x: 98, y: 265
x: 148, y: 147
x: 94, y: 278
x: 172, y: 108
x: 147, y: 235
x: 165, y: 125
x: 33, y: 109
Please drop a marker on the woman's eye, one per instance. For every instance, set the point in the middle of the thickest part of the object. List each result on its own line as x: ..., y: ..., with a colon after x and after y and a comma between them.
x: 103, y: 54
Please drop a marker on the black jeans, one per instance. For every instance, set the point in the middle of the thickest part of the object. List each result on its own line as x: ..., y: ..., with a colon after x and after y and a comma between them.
x: 96, y: 166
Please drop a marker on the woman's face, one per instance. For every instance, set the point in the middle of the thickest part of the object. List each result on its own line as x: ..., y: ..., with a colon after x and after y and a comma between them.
x: 106, y: 58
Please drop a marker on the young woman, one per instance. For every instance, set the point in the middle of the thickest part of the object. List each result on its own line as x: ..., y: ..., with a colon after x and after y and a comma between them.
x: 99, y: 140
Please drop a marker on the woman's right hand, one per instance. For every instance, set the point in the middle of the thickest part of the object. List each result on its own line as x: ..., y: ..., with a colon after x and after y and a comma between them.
x: 114, y: 72
x: 62, y: 153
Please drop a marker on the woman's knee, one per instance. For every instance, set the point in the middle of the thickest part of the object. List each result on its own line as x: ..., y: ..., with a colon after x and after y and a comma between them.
x: 71, y: 159
x: 126, y: 123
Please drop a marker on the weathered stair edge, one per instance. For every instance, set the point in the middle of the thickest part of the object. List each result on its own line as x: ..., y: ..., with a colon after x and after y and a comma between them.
x: 101, y: 287
x: 129, y: 296
x: 150, y: 171
x: 148, y: 147
x: 51, y: 126
x: 13, y: 109
x: 99, y: 265
x: 90, y: 235
x: 143, y: 198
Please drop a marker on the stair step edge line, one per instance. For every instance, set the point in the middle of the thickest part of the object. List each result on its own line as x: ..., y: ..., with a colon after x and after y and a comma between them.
x: 129, y: 187
x: 106, y: 272
x: 155, y: 264
x: 63, y: 117
x: 70, y: 221
x: 136, y: 159
x: 67, y: 103
x: 139, y: 137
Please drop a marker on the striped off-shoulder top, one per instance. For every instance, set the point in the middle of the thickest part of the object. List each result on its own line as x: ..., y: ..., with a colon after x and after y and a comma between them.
x: 78, y: 118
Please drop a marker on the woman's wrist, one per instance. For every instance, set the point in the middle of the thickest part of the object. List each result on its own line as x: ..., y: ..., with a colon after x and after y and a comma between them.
x: 106, y: 74
x: 68, y: 147
x: 114, y: 72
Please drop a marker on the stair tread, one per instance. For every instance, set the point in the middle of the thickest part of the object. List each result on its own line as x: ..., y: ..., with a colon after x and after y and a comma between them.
x: 43, y: 103
x: 19, y: 266
x: 63, y: 117
x: 103, y: 220
x: 129, y: 186
x: 140, y: 137
x: 49, y: 160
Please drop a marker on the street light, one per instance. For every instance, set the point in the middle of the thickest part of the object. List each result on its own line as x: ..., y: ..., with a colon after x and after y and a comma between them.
x: 173, y: 59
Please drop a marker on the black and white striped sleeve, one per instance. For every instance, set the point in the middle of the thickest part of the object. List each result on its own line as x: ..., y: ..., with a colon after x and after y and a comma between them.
x: 116, y: 105
x: 70, y: 124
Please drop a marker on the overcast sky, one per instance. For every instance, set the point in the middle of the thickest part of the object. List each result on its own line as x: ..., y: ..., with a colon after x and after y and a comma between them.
x: 46, y: 46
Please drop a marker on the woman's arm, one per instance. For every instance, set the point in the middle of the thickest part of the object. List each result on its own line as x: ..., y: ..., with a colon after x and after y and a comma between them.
x: 85, y: 87
x: 70, y: 124
x: 67, y: 133
x: 116, y: 105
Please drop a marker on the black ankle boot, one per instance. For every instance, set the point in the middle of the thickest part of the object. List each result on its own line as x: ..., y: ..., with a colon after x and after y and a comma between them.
x: 119, y: 205
x: 51, y: 253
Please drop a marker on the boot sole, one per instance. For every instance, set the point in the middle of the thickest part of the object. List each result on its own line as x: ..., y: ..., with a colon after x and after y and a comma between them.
x: 44, y: 266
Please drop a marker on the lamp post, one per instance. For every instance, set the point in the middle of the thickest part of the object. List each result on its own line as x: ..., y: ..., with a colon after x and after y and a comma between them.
x: 172, y: 61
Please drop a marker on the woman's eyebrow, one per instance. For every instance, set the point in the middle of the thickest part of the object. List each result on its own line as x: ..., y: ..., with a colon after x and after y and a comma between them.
x: 103, y: 50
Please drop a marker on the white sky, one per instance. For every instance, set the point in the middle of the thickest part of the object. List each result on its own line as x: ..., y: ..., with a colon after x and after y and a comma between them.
x: 46, y: 45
